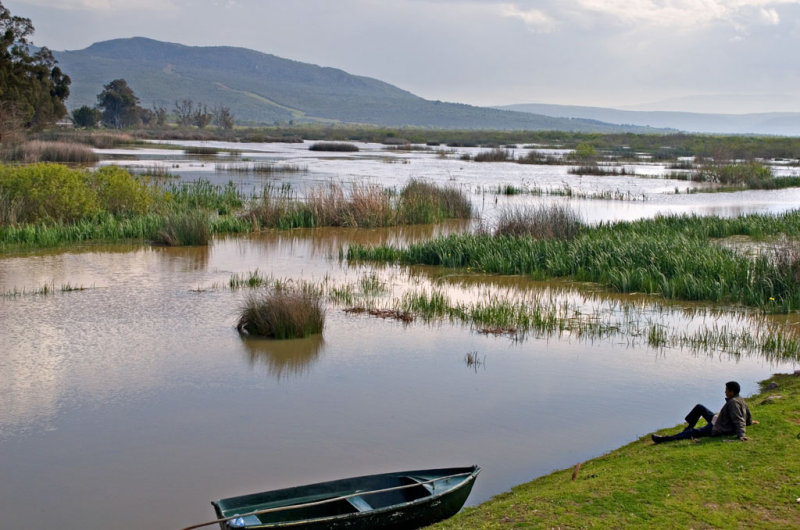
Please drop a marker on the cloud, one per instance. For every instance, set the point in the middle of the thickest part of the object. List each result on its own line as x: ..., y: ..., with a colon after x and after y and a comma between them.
x: 536, y: 20
x: 688, y: 13
x: 106, y: 6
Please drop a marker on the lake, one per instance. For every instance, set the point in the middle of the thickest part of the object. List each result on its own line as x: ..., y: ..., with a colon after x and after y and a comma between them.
x: 129, y: 400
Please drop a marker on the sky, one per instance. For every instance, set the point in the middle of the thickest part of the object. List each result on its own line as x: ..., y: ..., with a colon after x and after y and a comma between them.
x: 696, y: 55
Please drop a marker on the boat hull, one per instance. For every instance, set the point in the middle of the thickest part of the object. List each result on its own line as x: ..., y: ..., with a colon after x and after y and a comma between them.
x: 403, y: 500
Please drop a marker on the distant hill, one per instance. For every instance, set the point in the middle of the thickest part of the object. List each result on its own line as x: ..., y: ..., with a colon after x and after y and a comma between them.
x: 262, y: 89
x: 773, y: 123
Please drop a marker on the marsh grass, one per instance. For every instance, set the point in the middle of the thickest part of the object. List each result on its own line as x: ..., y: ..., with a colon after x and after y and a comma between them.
x: 671, y: 257
x: 282, y: 314
x: 48, y: 151
x: 739, y: 485
x: 542, y: 222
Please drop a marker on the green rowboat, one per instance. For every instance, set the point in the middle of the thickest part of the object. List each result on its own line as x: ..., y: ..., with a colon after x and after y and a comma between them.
x: 401, y: 500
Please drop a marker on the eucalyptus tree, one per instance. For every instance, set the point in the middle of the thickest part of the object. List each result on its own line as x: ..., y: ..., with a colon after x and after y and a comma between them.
x: 32, y: 87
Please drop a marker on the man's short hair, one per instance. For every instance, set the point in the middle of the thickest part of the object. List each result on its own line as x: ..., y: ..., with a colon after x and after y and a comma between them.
x: 734, y: 387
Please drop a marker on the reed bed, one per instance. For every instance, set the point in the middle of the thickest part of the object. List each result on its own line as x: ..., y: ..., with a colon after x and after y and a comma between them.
x: 598, y: 170
x: 281, y: 314
x: 200, y: 150
x: 364, y: 206
x: 670, y: 257
x: 541, y: 222
x: 494, y: 155
x: 334, y: 147
x: 260, y: 168
x: 47, y: 151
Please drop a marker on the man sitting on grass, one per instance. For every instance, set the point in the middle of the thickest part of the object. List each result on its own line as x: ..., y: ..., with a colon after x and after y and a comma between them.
x: 732, y: 419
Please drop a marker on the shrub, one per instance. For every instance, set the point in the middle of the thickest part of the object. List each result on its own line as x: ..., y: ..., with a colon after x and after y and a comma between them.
x: 542, y: 222
x: 281, y: 314
x: 47, y: 192
x: 120, y: 193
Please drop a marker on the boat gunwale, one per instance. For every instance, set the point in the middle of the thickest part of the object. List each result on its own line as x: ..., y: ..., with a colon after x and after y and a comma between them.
x: 469, y: 477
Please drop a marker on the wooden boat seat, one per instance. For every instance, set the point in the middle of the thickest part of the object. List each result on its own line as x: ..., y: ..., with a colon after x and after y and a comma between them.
x: 360, y: 504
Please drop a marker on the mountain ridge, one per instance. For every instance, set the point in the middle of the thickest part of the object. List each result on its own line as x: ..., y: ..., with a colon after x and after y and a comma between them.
x: 261, y: 88
x: 766, y: 123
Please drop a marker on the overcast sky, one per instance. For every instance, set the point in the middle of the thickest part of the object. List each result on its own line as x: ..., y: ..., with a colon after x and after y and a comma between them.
x: 742, y: 55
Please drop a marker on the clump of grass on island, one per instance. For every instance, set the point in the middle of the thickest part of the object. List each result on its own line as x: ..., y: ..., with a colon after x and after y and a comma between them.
x: 281, y: 314
x: 672, y: 257
x: 333, y: 147
x: 749, y: 484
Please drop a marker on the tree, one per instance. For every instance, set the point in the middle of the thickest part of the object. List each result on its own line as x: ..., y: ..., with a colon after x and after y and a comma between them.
x: 86, y: 116
x: 202, y: 117
x: 184, y: 112
x: 119, y: 104
x: 223, y: 117
x: 32, y: 88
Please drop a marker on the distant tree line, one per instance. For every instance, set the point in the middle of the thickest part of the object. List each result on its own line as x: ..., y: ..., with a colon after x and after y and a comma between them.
x: 118, y: 108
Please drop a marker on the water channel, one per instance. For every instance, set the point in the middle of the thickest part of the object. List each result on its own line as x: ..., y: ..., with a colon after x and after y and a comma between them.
x: 132, y: 401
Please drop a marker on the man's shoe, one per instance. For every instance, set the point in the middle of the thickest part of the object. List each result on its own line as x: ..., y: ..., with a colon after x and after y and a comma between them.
x: 659, y: 439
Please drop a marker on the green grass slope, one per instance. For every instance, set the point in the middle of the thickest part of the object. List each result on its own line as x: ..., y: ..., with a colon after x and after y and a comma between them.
x: 716, y: 482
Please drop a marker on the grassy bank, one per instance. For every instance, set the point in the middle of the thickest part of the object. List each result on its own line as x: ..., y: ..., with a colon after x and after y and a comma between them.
x: 715, y: 482
x: 671, y: 257
x: 45, y: 205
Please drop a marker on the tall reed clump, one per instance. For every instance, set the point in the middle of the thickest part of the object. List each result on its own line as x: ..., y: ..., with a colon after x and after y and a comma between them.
x: 421, y: 202
x: 281, y: 314
x: 44, y: 151
x: 333, y: 146
x: 542, y: 222
x: 188, y: 228
x: 366, y: 206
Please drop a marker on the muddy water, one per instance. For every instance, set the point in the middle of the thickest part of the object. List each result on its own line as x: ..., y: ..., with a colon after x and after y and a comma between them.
x: 133, y: 402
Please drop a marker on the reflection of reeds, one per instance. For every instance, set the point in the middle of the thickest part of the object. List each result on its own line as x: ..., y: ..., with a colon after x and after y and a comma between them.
x: 284, y: 357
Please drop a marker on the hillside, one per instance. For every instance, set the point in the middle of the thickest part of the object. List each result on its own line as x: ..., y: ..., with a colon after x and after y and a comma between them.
x: 772, y: 123
x: 262, y: 89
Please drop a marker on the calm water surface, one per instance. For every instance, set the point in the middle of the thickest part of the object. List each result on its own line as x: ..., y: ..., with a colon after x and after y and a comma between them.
x: 134, y: 402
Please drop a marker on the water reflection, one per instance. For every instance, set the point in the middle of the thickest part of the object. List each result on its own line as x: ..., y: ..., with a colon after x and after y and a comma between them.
x: 283, y: 358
